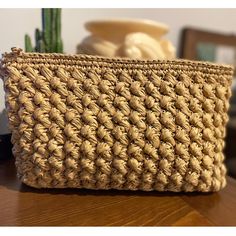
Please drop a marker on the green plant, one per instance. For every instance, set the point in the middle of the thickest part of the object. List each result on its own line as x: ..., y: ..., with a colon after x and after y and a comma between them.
x: 49, y: 39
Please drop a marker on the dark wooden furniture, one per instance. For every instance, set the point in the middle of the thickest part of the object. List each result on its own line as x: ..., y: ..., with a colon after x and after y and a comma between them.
x: 191, y: 37
x: 5, y: 147
x: 230, y: 147
x: 21, y: 205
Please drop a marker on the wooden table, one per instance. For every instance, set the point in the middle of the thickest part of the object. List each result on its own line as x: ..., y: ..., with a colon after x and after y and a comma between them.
x: 21, y: 205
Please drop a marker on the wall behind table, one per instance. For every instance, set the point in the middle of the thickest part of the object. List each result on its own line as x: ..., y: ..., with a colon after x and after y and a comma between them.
x: 14, y: 23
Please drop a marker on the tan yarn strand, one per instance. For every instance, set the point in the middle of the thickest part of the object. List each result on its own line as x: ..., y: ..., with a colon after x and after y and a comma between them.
x: 105, y: 123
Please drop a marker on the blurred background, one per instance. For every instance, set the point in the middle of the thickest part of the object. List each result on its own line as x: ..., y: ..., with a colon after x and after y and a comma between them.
x: 197, y: 34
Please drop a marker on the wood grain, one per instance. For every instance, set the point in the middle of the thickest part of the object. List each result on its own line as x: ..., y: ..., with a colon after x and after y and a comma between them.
x: 21, y: 205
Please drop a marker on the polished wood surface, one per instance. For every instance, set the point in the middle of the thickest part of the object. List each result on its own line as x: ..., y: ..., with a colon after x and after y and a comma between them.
x: 21, y: 205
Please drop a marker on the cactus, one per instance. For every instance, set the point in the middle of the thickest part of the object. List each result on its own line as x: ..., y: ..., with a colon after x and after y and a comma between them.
x: 47, y: 28
x: 49, y: 39
x: 58, y: 43
x: 28, y: 44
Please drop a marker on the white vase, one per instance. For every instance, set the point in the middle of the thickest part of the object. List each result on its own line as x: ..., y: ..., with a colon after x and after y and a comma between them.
x: 136, y: 39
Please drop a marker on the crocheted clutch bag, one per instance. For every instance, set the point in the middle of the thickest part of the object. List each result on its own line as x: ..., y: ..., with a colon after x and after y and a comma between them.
x: 91, y: 122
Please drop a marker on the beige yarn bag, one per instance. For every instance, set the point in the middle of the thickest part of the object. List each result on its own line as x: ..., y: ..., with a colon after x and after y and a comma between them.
x: 90, y: 122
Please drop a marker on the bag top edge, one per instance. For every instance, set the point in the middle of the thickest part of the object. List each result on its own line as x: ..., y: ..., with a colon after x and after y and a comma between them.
x: 74, y: 59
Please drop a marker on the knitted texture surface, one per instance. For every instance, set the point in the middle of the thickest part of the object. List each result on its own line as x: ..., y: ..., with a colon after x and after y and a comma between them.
x: 91, y: 122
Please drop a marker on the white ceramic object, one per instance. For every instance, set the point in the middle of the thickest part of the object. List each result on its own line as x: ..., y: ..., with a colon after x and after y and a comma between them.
x: 136, y: 39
